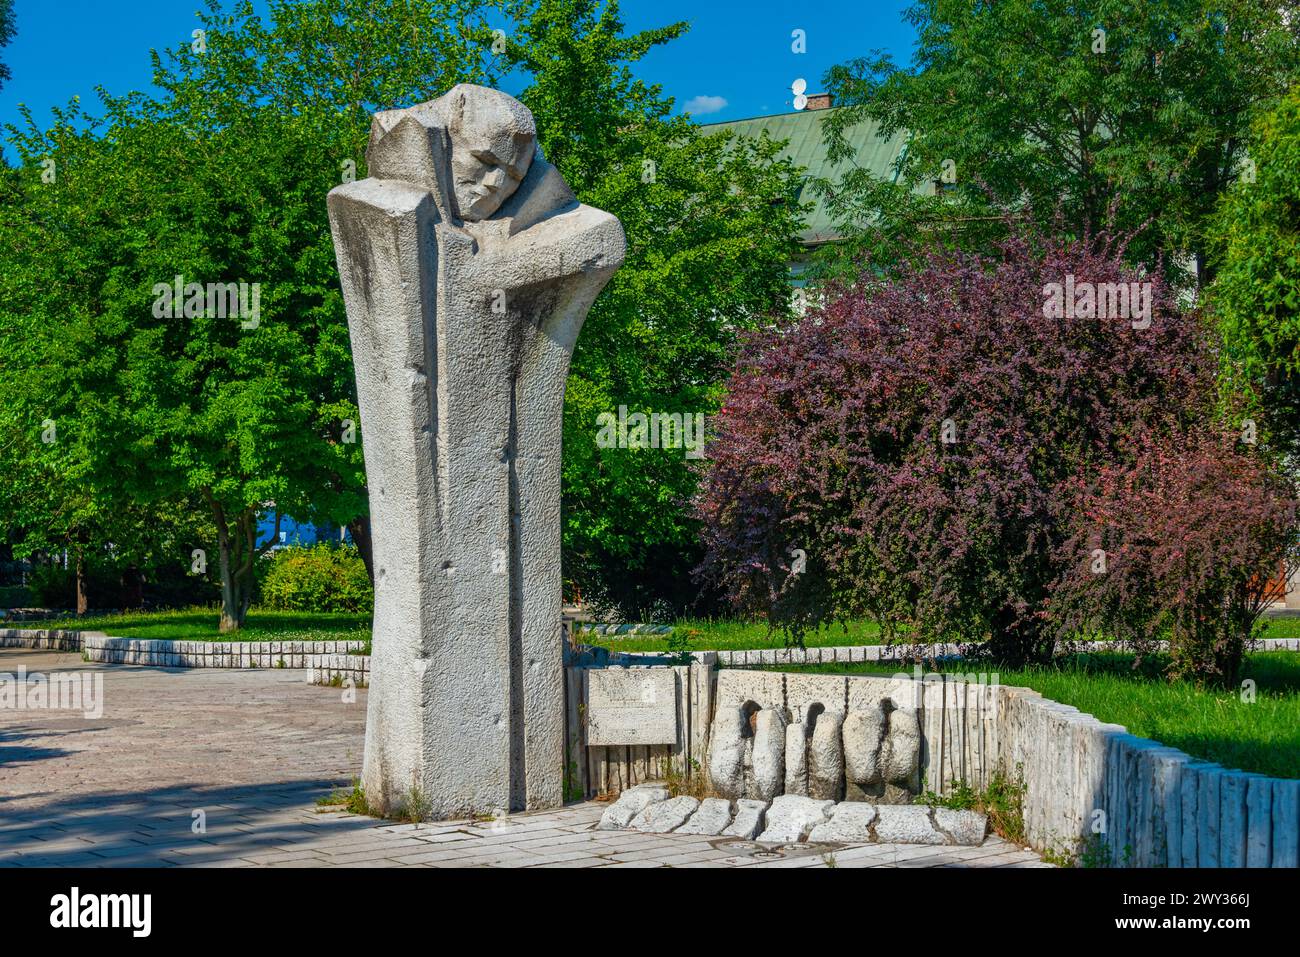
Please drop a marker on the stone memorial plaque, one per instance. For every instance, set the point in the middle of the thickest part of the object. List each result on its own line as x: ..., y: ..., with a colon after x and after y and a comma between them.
x: 631, y: 706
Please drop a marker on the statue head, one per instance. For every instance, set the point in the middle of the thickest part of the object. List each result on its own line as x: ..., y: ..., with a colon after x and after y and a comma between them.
x: 493, y: 139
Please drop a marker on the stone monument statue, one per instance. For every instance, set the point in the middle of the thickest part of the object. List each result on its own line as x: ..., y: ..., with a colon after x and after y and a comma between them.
x: 467, y: 269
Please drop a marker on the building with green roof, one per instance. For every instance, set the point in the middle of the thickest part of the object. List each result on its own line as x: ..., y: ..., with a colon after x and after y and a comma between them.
x: 806, y: 146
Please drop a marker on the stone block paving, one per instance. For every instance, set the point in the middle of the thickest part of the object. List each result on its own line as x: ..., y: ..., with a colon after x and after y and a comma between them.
x: 254, y: 750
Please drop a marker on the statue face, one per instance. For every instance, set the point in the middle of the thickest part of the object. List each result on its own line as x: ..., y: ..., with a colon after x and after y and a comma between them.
x: 487, y: 166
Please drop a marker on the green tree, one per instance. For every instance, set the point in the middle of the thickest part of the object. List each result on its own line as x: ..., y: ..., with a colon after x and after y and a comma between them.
x: 7, y: 29
x: 222, y: 179
x: 1255, y: 298
x: 1078, y: 116
x: 711, y: 223
x: 51, y: 494
x: 54, y: 495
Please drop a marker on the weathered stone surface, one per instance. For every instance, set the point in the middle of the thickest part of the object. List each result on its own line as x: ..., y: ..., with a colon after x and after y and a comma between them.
x: 1232, y: 819
x: 826, y: 758
x: 907, y: 824
x: 727, y: 752
x: 803, y: 693
x: 866, y: 692
x: 467, y: 272
x: 629, y: 804
x: 1259, y: 801
x: 631, y: 706
x: 901, y: 753
x: 796, y: 759
x: 768, y: 755
x: 1207, y: 815
x: 850, y: 823
x: 764, y: 688
x: 748, y: 785
x: 711, y: 818
x: 863, y: 733
x: 1145, y: 769
x: 853, y: 822
x: 664, y: 816
x: 1163, y: 804
x: 1188, y: 788
x: 961, y: 827
x: 790, y: 818
x: 1286, y: 824
x: 749, y: 820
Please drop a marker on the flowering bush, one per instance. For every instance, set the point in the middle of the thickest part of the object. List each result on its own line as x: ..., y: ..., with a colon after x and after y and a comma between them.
x: 909, y: 452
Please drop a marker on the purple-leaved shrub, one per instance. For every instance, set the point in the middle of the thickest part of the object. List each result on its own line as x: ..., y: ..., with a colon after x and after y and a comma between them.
x: 911, y: 451
x: 1180, y: 544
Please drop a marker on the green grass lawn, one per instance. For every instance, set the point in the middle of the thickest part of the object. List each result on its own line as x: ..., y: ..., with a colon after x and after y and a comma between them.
x: 200, y: 624
x: 1281, y: 628
x: 728, y: 635
x: 1217, y: 725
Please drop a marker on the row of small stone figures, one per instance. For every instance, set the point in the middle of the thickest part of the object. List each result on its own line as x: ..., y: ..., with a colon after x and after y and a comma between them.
x: 872, y: 754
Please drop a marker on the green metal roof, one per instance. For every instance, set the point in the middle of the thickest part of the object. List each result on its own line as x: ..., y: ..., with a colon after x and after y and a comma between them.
x: 807, y: 148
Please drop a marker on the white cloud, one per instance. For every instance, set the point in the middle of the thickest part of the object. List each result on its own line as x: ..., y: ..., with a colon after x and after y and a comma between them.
x: 703, y: 105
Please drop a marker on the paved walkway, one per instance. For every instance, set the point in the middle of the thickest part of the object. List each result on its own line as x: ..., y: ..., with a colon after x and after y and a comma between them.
x: 248, y: 753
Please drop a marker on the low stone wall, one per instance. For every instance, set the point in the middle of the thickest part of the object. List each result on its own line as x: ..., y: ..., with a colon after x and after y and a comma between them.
x: 907, y: 653
x: 1088, y: 786
x: 1142, y: 803
x: 211, y: 654
x: 96, y: 646
x: 337, y: 669
x: 628, y: 630
x: 757, y: 657
x: 53, y: 639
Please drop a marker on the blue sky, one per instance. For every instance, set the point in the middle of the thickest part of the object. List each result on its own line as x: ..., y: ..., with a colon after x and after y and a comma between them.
x: 736, y: 57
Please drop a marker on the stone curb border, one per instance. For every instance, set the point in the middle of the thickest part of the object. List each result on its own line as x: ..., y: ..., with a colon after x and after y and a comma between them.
x: 48, y: 638
x: 903, y: 654
x: 332, y: 669
x: 165, y: 653
x: 631, y: 630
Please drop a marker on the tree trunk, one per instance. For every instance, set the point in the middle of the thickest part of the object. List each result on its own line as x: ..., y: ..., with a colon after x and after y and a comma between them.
x: 238, y: 552
x: 359, y: 528
x: 83, y: 601
x: 236, y: 590
x: 232, y: 606
x: 231, y: 619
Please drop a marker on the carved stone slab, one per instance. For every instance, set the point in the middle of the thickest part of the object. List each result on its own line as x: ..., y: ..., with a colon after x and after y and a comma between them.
x: 631, y: 706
